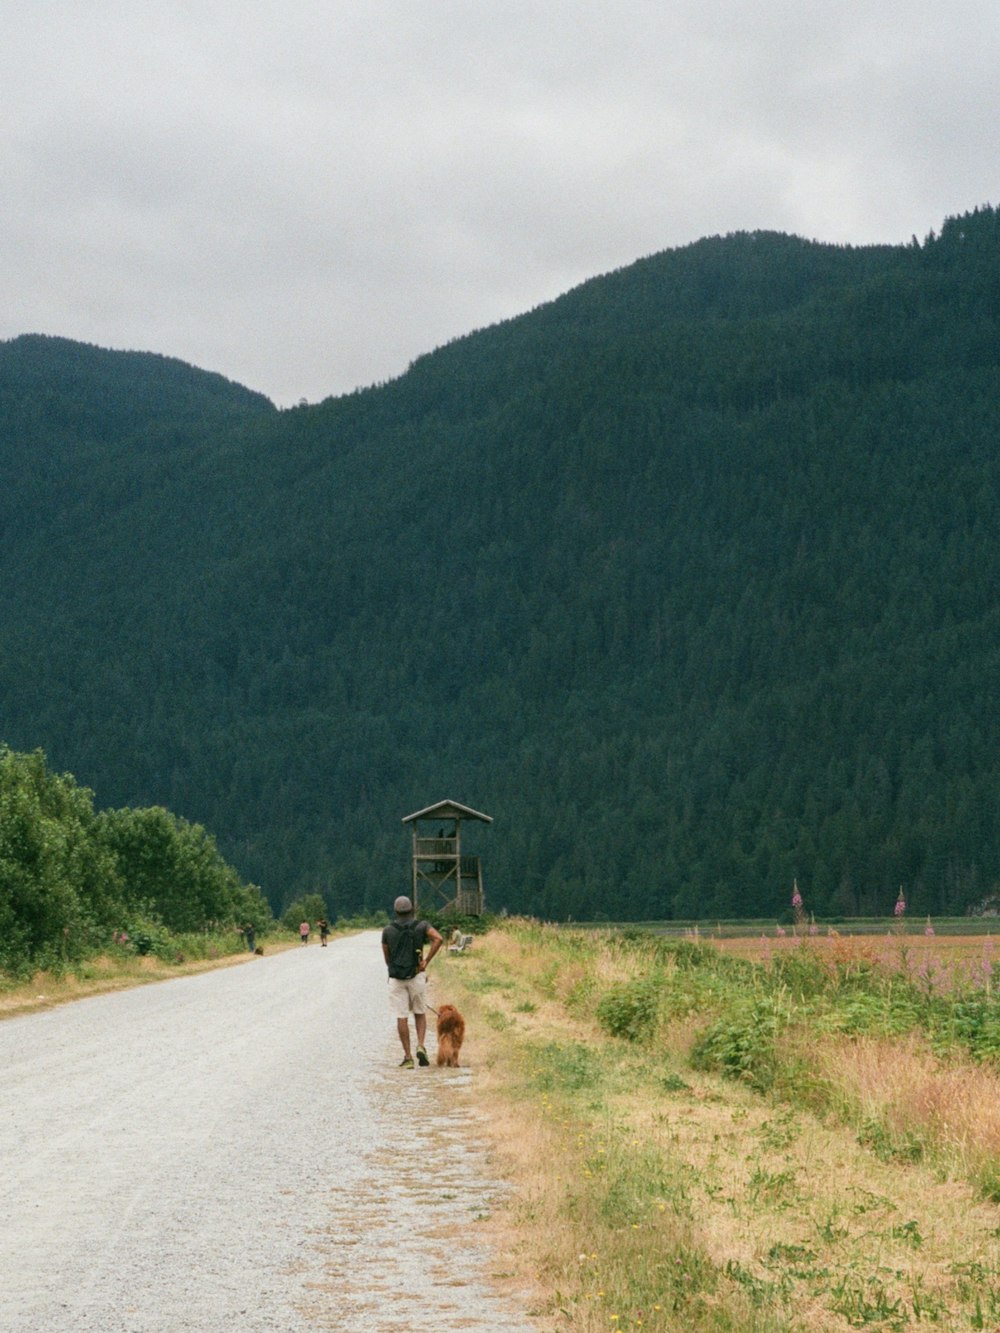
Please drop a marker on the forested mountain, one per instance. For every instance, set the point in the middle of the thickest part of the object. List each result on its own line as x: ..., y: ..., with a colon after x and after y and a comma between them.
x: 689, y: 578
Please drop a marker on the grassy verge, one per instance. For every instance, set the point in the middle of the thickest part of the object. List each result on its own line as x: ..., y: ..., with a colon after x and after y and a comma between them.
x: 122, y: 967
x: 702, y: 1142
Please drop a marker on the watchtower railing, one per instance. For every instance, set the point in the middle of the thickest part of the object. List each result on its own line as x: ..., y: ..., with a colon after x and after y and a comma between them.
x: 435, y: 846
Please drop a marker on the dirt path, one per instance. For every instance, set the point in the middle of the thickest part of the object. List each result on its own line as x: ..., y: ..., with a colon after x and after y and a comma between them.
x: 238, y: 1150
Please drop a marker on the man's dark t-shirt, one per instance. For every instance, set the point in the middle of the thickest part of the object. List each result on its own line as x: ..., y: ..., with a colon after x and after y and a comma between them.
x: 405, y: 941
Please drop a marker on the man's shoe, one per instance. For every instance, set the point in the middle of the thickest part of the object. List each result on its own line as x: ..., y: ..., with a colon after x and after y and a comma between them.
x: 422, y: 1057
x: 406, y: 1063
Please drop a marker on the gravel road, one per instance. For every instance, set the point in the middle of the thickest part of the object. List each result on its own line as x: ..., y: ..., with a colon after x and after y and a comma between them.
x: 238, y: 1150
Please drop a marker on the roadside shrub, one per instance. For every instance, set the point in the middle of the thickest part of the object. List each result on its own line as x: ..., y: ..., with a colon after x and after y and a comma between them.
x: 147, y: 937
x: 975, y: 1022
x: 692, y: 954
x: 143, y: 942
x: 801, y: 972
x: 741, y: 1045
x: 856, y: 1015
x: 630, y: 1009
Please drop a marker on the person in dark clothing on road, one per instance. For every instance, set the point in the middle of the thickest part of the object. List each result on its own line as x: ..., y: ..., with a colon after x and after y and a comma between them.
x: 403, y: 942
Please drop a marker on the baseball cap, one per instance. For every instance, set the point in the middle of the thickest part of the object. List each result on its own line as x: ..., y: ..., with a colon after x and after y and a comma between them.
x: 402, y: 906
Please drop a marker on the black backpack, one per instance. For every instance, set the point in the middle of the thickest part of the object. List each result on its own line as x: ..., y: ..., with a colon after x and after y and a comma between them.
x: 404, y: 952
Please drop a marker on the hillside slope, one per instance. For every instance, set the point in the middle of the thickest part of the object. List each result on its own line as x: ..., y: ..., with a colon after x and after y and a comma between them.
x: 689, y: 578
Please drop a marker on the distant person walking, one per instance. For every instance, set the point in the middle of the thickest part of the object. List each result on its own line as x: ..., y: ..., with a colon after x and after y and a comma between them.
x: 304, y: 932
x: 250, y: 935
x: 403, y: 942
x: 323, y: 926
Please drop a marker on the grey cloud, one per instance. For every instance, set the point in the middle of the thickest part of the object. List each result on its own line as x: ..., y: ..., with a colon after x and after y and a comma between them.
x: 305, y: 198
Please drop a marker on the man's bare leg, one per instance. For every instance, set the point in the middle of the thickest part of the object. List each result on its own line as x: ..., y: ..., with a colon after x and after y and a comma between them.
x: 403, y: 1028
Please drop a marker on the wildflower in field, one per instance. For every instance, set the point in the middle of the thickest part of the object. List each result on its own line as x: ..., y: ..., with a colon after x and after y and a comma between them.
x: 780, y: 933
x: 928, y: 929
x: 798, y: 911
x: 985, y: 968
x: 900, y: 909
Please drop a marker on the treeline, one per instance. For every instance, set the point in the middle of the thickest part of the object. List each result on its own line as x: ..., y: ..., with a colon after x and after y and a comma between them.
x: 74, y: 880
x: 688, y: 579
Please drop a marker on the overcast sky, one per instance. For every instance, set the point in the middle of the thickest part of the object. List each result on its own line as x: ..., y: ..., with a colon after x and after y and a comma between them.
x: 304, y: 196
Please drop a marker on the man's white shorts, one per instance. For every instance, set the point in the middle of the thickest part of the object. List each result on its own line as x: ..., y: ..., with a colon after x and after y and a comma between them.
x: 408, y: 997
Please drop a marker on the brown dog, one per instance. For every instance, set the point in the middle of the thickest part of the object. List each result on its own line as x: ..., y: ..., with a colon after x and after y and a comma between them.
x: 451, y: 1031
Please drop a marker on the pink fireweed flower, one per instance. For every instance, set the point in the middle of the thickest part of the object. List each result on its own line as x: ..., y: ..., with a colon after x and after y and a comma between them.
x: 798, y: 911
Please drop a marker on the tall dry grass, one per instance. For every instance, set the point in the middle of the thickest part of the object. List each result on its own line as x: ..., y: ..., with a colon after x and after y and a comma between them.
x: 909, y: 1102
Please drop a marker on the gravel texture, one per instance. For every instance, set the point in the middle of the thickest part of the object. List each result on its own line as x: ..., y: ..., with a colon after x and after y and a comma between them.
x: 238, y: 1150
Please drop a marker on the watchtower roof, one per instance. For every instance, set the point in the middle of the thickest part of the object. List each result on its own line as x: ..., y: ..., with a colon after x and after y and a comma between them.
x: 447, y: 810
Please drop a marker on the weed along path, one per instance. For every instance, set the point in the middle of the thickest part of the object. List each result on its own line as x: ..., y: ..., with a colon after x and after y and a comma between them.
x: 238, y: 1150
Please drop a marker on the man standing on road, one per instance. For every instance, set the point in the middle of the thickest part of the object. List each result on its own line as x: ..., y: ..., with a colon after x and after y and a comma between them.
x: 403, y: 942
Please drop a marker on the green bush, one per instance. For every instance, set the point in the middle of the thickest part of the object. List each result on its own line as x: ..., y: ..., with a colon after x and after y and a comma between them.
x: 974, y: 1020
x: 692, y: 954
x: 741, y: 1044
x: 801, y: 972
x: 630, y: 1009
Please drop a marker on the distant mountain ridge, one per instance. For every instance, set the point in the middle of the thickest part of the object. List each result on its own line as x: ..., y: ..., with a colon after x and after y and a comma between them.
x: 689, y: 578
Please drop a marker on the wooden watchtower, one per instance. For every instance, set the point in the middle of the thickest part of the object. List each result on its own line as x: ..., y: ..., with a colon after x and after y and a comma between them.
x: 452, y: 882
